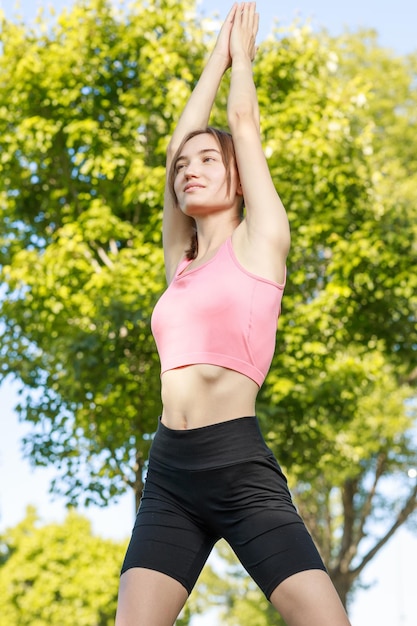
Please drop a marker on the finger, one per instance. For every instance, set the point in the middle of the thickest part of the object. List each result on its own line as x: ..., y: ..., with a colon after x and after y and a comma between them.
x: 240, y: 14
x: 231, y: 14
x: 256, y: 24
x: 248, y: 13
x: 253, y: 20
x: 252, y: 12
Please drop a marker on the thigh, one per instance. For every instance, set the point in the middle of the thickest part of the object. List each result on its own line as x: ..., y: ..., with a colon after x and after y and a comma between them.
x: 149, y: 598
x: 167, y: 537
x: 309, y: 599
x: 267, y: 534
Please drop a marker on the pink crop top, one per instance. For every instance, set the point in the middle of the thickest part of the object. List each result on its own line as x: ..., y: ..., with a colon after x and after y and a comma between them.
x: 220, y: 314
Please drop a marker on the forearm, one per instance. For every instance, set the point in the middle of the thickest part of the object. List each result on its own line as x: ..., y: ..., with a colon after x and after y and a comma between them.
x: 242, y: 104
x: 196, y: 113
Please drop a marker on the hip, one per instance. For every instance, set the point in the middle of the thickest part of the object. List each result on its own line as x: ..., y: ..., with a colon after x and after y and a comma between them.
x: 227, y: 442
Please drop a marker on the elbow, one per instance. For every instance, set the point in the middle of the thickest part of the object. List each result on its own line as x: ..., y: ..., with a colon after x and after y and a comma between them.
x: 242, y: 117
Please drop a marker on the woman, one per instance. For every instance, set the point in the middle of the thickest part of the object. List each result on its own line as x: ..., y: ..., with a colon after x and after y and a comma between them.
x: 210, y: 473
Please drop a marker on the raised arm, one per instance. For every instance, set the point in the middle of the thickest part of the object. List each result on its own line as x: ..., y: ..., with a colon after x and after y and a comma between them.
x: 264, y: 236
x: 178, y: 228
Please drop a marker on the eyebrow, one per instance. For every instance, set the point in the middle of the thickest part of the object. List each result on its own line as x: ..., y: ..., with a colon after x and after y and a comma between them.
x: 209, y: 150
x: 200, y: 152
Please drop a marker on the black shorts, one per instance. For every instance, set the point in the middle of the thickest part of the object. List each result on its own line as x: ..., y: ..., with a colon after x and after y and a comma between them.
x: 219, y: 481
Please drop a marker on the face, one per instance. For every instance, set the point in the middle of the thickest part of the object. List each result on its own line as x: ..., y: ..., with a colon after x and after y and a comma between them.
x: 200, y: 182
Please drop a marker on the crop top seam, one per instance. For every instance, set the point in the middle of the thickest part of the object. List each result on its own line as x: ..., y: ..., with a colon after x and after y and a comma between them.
x: 243, y: 269
x: 250, y: 324
x: 184, y: 263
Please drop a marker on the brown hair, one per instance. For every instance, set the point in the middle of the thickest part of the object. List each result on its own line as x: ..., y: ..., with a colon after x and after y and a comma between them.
x: 227, y: 151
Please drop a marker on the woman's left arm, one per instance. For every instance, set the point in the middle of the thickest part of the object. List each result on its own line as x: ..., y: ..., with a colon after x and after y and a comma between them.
x: 264, y: 237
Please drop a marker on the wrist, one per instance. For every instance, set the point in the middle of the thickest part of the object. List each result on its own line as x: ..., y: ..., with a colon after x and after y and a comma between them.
x: 241, y: 58
x: 241, y: 64
x: 221, y: 60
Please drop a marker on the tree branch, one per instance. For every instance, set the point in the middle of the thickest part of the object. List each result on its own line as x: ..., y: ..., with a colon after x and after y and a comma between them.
x: 407, y: 510
x: 367, y: 507
x: 103, y: 256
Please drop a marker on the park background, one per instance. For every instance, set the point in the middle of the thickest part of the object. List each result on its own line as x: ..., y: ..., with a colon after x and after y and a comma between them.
x: 391, y: 599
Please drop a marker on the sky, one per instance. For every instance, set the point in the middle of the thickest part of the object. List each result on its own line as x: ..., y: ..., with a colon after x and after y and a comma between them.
x: 395, y: 20
x: 391, y: 598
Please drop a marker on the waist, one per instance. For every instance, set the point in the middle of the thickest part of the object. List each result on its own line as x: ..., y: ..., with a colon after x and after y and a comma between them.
x: 216, y: 445
x: 199, y: 395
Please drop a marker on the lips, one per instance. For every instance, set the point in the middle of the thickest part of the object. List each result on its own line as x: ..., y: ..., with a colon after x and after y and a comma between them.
x: 192, y: 187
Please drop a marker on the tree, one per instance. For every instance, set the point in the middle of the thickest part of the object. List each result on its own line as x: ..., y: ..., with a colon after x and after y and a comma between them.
x: 337, y: 407
x: 89, y: 104
x: 57, y: 574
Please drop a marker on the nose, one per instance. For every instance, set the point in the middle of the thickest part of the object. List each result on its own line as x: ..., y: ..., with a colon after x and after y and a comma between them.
x: 189, y: 173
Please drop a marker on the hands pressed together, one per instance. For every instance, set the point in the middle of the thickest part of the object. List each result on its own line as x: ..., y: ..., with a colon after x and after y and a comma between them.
x: 237, y: 37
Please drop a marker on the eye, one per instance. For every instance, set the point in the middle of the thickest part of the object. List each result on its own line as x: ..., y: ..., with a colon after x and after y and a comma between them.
x: 208, y: 158
x: 179, y: 167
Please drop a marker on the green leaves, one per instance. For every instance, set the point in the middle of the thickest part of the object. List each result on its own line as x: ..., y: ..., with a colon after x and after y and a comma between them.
x: 81, y: 186
x: 50, y: 575
x: 85, y: 304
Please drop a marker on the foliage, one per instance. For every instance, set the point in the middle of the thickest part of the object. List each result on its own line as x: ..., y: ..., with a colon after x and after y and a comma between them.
x: 336, y: 407
x: 88, y: 104
x: 58, y: 574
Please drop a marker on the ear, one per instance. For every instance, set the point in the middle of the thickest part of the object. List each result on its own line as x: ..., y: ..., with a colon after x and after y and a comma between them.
x: 239, y: 190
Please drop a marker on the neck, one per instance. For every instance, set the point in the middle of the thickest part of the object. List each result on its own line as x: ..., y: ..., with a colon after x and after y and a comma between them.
x: 212, y: 233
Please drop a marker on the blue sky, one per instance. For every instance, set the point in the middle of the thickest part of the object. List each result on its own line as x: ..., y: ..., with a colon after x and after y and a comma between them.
x: 395, y: 21
x: 392, y: 600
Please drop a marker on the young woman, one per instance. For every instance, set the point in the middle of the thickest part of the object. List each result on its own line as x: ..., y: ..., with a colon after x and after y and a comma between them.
x: 210, y: 472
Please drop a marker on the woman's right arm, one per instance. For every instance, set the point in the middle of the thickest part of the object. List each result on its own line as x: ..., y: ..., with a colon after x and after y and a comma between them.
x: 177, y: 228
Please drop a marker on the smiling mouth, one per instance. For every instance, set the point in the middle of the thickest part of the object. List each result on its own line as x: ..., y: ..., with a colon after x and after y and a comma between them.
x: 192, y: 187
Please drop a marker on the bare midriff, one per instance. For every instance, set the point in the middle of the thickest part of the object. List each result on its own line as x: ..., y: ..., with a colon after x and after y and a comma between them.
x: 200, y: 395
